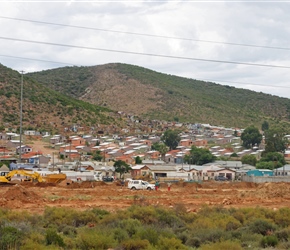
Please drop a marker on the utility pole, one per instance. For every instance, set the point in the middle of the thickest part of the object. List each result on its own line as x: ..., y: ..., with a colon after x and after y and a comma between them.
x: 21, y: 104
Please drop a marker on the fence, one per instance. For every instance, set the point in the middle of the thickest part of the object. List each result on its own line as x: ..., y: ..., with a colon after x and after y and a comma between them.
x: 263, y: 179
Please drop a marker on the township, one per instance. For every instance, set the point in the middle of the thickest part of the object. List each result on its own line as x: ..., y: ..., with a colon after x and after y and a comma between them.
x: 72, y: 155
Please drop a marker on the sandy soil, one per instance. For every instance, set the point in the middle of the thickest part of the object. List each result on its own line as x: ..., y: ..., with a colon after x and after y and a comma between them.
x: 112, y: 197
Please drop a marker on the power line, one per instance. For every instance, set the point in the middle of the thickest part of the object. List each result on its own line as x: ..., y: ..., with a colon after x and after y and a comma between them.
x: 208, y: 80
x: 39, y: 60
x: 244, y: 83
x: 147, y: 35
x: 146, y: 54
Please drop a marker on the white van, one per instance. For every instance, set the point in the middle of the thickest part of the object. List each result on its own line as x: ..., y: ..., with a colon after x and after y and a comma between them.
x: 139, y: 184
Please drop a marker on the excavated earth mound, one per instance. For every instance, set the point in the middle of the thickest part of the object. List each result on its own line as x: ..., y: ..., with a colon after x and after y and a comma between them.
x: 20, y: 193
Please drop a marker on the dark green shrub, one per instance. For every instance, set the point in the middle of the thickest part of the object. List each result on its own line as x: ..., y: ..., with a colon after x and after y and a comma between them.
x: 120, y: 235
x: 52, y: 238
x: 193, y: 242
x: 269, y: 241
x: 183, y: 236
x: 232, y: 225
x: 262, y: 227
x: 150, y: 234
x: 69, y: 231
x: 10, y: 238
x: 210, y: 235
x: 131, y: 226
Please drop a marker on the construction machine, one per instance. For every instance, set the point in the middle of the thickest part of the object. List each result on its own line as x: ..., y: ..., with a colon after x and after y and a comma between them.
x: 5, y: 177
x: 32, y: 176
x: 54, y: 178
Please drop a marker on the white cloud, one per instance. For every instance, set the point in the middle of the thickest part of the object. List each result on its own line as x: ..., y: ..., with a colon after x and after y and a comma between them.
x: 256, y: 23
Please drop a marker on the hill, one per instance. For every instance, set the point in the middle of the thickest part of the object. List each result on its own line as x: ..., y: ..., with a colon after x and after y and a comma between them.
x: 44, y: 108
x: 154, y: 95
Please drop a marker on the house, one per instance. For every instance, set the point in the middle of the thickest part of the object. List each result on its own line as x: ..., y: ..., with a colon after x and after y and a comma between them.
x: 163, y: 171
x: 24, y: 149
x: 39, y: 160
x: 285, y: 170
x: 186, y: 142
x: 200, y: 143
x: 140, y: 170
x: 260, y: 172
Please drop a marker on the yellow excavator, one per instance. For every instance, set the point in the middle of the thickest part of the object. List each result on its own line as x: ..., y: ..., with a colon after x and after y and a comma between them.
x: 5, y: 177
x: 33, y: 176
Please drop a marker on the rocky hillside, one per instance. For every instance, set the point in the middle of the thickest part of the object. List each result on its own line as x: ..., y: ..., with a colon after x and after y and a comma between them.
x: 154, y: 95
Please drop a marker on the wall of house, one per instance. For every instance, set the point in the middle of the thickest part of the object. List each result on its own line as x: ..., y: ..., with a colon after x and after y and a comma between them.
x: 263, y: 179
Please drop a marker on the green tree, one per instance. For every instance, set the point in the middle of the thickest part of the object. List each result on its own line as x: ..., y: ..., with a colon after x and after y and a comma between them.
x: 199, y: 156
x: 251, y: 136
x: 97, y: 156
x: 265, y: 165
x: 138, y: 160
x: 275, y: 140
x: 235, y: 133
x: 171, y: 138
x: 274, y: 159
x: 161, y: 148
x: 265, y: 126
x: 122, y: 168
x: 249, y: 159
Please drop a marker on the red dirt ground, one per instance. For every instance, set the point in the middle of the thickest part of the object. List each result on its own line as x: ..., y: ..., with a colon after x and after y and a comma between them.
x: 112, y: 197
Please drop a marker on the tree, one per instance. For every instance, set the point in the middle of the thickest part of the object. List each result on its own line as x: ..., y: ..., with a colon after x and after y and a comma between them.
x: 235, y: 133
x: 122, y: 168
x: 138, y: 160
x: 275, y: 140
x: 171, y: 138
x: 265, y: 126
x: 249, y: 159
x: 265, y: 165
x: 251, y: 136
x: 161, y: 148
x: 199, y: 156
x: 275, y: 159
x: 97, y: 156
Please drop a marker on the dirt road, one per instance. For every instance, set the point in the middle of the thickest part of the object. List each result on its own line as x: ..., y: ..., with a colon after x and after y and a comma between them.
x: 111, y: 197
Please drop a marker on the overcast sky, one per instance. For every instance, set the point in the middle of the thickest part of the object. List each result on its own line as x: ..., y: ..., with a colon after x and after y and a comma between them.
x: 174, y: 33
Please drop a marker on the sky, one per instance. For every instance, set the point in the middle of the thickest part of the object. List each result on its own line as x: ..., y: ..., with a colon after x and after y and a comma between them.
x: 244, y: 44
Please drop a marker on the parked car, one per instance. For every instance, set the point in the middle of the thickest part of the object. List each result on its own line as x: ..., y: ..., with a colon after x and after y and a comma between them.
x: 108, y: 178
x: 220, y: 178
x: 139, y: 184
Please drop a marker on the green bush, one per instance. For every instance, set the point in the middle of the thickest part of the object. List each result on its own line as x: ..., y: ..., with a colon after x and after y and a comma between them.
x: 10, y: 238
x: 150, y: 234
x: 282, y: 217
x: 91, y: 239
x: 262, y: 227
x: 120, y: 235
x: 170, y: 244
x: 193, y: 242
x: 135, y: 244
x: 131, y: 226
x: 52, y: 238
x: 269, y: 241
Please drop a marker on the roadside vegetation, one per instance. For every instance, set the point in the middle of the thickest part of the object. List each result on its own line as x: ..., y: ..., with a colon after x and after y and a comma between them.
x: 146, y: 227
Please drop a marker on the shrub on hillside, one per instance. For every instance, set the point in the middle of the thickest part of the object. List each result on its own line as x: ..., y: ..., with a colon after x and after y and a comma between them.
x: 263, y: 227
x: 269, y: 241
